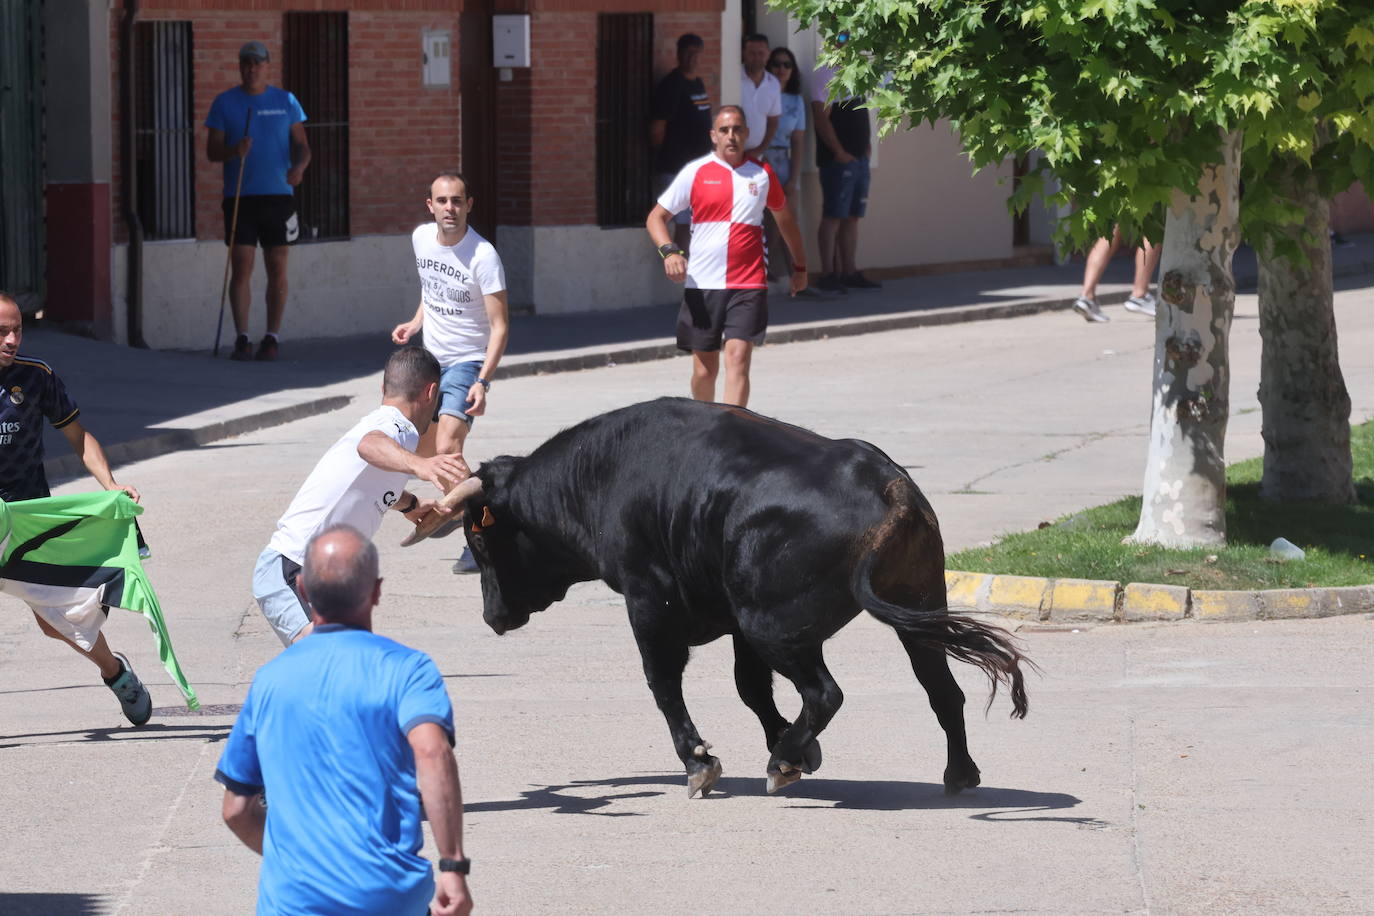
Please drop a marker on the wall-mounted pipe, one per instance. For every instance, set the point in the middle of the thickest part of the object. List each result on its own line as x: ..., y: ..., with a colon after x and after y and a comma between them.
x: 128, y: 160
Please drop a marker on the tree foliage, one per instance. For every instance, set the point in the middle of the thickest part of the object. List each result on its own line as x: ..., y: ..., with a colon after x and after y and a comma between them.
x: 1125, y: 99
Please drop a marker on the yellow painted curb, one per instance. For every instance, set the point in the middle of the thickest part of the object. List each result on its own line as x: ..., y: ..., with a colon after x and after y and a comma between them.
x: 1082, y: 599
x: 1075, y: 600
x: 1143, y: 601
x: 1016, y: 596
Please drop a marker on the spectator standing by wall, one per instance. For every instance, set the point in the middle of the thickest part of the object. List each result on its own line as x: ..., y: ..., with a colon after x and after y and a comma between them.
x: 680, y: 123
x: 784, y: 153
x: 760, y: 96
x: 275, y: 137
x: 843, y: 148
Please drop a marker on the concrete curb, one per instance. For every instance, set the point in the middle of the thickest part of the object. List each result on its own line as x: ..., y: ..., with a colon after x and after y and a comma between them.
x: 66, y: 466
x: 1089, y: 601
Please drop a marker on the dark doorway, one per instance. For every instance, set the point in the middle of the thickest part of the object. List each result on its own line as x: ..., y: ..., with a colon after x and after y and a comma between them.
x: 21, y: 150
x: 476, y: 81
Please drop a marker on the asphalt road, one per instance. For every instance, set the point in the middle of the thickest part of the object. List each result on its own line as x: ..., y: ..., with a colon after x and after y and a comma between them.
x: 1181, y: 768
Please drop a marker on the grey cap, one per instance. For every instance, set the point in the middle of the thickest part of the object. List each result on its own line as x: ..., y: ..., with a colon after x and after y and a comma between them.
x: 255, y: 50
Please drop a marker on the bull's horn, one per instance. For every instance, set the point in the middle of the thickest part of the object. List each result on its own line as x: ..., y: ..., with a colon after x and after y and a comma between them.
x: 433, y: 522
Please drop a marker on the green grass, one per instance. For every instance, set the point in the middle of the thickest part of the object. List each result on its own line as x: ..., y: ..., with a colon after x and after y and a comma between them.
x: 1338, y: 540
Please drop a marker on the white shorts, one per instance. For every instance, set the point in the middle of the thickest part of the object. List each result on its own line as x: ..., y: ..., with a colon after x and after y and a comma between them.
x: 274, y: 580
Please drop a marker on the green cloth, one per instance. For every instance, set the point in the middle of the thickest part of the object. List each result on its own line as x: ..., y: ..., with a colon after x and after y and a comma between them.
x: 60, y: 548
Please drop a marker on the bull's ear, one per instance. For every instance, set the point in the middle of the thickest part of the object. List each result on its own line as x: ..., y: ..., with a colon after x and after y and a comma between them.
x: 486, y: 521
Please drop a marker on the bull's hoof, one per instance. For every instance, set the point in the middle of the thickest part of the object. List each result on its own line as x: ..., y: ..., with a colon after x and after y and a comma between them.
x: 811, y: 758
x: 703, y: 776
x: 782, y: 777
x: 959, y: 778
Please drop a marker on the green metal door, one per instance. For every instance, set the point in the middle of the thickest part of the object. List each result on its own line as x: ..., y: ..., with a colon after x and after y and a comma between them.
x: 21, y: 151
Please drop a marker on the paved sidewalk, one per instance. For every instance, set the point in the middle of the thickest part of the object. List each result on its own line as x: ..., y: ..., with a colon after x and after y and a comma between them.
x: 142, y: 403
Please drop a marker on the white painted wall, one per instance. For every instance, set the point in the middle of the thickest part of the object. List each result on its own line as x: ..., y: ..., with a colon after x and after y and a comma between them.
x: 565, y: 269
x: 361, y: 286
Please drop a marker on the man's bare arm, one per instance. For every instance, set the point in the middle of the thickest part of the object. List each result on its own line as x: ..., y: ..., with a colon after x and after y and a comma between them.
x: 436, y: 772
x: 246, y: 816
x: 381, y: 451
x: 88, y: 449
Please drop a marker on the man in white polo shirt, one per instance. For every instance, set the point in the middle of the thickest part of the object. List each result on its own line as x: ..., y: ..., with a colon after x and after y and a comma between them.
x: 361, y: 476
x: 464, y: 315
x: 725, y: 303
x: 760, y: 96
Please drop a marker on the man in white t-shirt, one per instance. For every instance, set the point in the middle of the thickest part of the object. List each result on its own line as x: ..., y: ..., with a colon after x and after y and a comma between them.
x: 760, y: 96
x: 361, y: 476
x: 463, y: 313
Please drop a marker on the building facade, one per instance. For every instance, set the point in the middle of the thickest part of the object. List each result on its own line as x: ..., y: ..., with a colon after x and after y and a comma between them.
x: 110, y: 211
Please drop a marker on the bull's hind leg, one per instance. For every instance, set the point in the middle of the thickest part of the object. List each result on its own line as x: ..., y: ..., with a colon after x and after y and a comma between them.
x: 754, y: 681
x: 664, y: 654
x: 797, y: 751
x: 931, y: 667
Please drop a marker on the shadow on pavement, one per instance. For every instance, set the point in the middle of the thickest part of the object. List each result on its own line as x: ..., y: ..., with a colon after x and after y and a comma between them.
x: 41, y: 904
x: 862, y: 795
x: 129, y: 395
x: 152, y: 731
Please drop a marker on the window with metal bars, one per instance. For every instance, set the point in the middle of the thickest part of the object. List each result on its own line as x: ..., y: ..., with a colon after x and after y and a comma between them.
x: 315, y: 70
x: 624, y: 85
x: 164, y: 130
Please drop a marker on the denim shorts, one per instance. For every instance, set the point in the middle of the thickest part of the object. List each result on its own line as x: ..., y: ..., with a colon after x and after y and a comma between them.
x: 454, y: 384
x: 274, y: 585
x: 844, y: 189
x: 780, y: 158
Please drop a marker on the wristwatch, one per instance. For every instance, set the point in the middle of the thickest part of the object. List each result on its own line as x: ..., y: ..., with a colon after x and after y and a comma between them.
x: 461, y: 866
x: 484, y: 383
x: 667, y: 250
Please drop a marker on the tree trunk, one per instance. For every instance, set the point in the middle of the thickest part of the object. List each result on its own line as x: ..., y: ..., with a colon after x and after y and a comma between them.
x: 1302, y: 392
x: 1185, y: 474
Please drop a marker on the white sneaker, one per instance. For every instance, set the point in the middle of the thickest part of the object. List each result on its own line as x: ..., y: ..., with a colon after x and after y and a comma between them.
x: 1089, y: 309
x: 1142, y: 305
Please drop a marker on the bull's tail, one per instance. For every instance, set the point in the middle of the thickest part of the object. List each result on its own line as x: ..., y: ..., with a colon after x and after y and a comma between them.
x: 989, y: 648
x: 904, y: 554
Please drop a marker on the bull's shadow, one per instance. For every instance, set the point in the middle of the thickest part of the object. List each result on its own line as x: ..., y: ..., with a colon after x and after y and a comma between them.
x: 861, y: 795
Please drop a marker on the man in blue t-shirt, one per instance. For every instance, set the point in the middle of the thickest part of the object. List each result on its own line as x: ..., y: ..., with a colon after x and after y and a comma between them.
x: 268, y: 122
x: 340, y: 740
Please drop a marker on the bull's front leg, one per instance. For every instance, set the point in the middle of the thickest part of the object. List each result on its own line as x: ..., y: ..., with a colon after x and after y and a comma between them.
x: 754, y: 681
x: 663, y: 649
x: 821, y: 697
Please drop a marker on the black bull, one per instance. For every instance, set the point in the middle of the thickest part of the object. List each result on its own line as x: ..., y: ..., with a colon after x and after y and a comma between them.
x: 714, y: 520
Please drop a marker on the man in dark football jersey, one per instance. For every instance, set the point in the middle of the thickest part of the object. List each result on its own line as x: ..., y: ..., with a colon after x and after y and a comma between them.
x: 30, y: 392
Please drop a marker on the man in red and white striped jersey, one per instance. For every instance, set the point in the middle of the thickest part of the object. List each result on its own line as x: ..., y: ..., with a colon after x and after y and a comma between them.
x: 726, y: 297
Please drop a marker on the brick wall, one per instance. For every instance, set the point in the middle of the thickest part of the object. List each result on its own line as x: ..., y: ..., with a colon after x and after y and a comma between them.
x: 400, y: 132
x: 547, y: 113
x: 563, y: 118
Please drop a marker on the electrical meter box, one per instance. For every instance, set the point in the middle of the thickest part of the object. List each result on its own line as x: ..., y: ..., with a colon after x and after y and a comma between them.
x: 510, y: 40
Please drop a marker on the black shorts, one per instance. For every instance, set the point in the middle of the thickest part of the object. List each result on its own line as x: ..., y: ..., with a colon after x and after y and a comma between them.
x: 266, y: 219
x: 709, y: 316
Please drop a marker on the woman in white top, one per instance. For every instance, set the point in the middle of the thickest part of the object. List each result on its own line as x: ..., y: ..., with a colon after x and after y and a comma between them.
x: 785, y: 152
